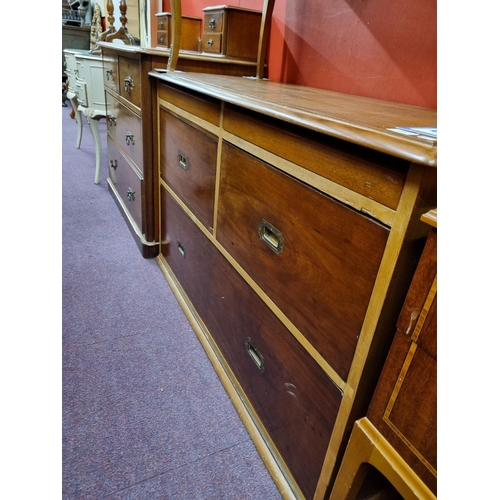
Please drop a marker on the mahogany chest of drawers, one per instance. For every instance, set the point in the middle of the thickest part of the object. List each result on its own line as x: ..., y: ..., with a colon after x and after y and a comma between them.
x: 231, y: 31
x: 289, y: 230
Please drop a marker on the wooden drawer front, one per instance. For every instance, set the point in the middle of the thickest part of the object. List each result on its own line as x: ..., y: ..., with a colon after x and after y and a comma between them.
x: 124, y: 127
x: 127, y: 182
x: 188, y: 158
x: 163, y: 23
x: 213, y: 22
x: 323, y: 276
x: 202, y: 106
x: 377, y: 176
x: 162, y: 39
x: 81, y: 92
x: 130, y: 80
x: 294, y: 399
x: 110, y: 71
x: 212, y: 42
x: 239, y: 29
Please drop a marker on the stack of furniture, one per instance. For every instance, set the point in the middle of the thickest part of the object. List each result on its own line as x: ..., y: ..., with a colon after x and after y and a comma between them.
x: 287, y: 221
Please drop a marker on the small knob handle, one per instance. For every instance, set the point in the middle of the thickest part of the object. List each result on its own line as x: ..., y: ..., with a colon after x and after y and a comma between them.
x: 210, y: 42
x: 113, y: 164
x: 109, y: 74
x: 130, y: 194
x: 211, y: 24
x: 161, y: 25
x: 162, y: 39
x: 128, y: 83
x: 112, y: 120
x: 129, y: 139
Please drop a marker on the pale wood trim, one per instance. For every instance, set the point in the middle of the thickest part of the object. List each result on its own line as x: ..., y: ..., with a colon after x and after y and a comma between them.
x: 283, y: 480
x: 337, y: 191
x: 367, y: 445
x: 431, y: 218
x: 200, y: 122
x: 218, y: 169
x: 425, y: 310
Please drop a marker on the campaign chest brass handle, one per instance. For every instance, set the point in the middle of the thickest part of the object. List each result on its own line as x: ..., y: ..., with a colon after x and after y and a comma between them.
x: 181, y: 249
x: 129, y: 139
x: 182, y: 160
x: 128, y: 83
x: 255, y: 355
x: 130, y: 194
x: 271, y: 236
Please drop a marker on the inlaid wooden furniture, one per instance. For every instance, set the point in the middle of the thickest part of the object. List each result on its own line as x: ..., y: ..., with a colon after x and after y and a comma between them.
x: 129, y: 90
x: 231, y: 31
x: 190, y: 31
x: 399, y: 434
x: 86, y: 94
x: 289, y: 230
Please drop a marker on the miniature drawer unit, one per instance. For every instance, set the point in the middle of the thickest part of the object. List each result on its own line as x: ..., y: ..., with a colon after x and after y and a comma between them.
x: 231, y: 31
x: 291, y: 243
x: 190, y: 31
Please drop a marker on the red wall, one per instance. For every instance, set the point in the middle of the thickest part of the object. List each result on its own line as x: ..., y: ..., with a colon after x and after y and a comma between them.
x: 384, y: 49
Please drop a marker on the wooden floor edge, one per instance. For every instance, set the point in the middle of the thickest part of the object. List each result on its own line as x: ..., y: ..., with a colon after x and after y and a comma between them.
x: 257, y: 439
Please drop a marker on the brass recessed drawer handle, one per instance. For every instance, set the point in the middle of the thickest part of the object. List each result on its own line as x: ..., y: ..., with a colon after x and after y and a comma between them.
x: 129, y: 139
x: 112, y: 120
x: 182, y: 160
x: 113, y: 164
x: 181, y: 249
x: 130, y: 194
x: 210, y: 42
x: 109, y: 74
x: 128, y: 83
x: 211, y: 24
x: 255, y: 355
x: 271, y: 236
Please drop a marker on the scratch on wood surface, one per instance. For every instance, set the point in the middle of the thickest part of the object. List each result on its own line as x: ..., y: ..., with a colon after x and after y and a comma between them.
x: 413, y: 317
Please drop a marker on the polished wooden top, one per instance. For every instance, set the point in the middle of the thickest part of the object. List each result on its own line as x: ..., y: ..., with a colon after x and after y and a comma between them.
x: 361, y: 120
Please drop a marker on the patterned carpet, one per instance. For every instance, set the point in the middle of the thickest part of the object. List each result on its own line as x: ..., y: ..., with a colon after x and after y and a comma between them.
x: 144, y: 413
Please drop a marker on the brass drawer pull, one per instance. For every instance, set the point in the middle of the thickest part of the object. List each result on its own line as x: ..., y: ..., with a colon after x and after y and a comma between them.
x: 211, y: 24
x: 181, y: 249
x: 109, y: 74
x: 130, y: 194
x: 112, y: 120
x: 210, y: 42
x: 113, y: 164
x: 182, y: 160
x: 271, y: 236
x: 162, y: 39
x: 128, y: 83
x: 161, y: 26
x: 255, y: 355
x: 129, y: 139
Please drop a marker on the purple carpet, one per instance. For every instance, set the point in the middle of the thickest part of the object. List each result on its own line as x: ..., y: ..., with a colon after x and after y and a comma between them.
x: 144, y: 413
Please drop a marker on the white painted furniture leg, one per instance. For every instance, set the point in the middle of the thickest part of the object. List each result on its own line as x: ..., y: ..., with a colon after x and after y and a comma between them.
x: 94, y: 128
x: 79, y: 122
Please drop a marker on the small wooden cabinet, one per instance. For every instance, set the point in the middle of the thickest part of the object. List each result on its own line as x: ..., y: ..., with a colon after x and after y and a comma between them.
x: 290, y: 230
x: 190, y: 31
x: 231, y: 31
